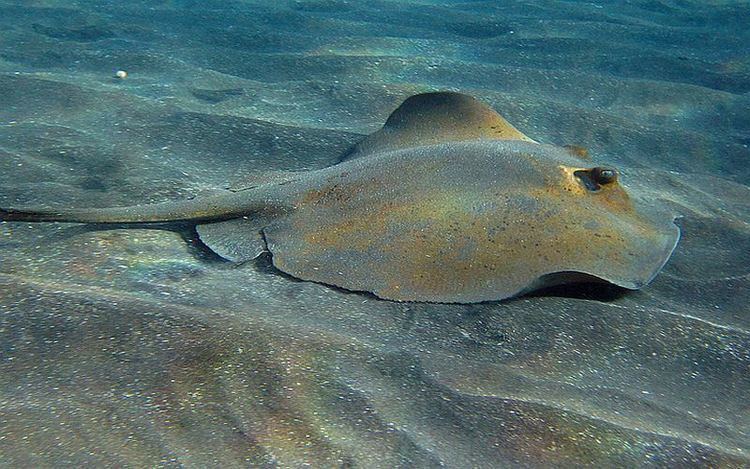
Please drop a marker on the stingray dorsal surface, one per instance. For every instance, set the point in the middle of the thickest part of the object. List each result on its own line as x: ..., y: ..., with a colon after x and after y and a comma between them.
x: 446, y: 203
x: 465, y: 222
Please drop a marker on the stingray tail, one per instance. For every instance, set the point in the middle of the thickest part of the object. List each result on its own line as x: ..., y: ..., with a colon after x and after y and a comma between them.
x: 77, y: 216
x: 10, y: 214
x: 214, y: 208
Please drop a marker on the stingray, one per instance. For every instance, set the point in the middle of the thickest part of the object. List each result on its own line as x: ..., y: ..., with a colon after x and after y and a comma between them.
x: 448, y: 202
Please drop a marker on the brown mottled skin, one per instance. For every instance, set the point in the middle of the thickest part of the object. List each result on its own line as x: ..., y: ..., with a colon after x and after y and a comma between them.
x: 462, y: 220
x: 414, y: 225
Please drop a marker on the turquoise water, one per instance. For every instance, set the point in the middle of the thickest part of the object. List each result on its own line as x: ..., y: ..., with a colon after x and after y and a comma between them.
x: 139, y: 347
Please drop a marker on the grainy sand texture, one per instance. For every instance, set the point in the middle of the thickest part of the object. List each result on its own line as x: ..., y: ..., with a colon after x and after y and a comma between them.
x: 139, y: 348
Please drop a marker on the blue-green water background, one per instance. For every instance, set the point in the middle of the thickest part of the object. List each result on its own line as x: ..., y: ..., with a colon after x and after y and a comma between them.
x: 135, y: 347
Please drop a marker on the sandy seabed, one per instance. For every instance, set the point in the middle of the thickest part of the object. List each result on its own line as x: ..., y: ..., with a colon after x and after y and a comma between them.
x: 137, y: 347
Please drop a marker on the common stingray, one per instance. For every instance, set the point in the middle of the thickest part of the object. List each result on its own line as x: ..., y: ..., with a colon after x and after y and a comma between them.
x: 448, y: 202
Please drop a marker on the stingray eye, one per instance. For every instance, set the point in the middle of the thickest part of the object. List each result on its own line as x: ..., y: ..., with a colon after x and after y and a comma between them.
x: 593, y: 179
x: 604, y: 176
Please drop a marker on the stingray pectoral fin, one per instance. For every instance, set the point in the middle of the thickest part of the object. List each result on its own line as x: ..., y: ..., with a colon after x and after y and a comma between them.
x: 655, y: 256
x: 638, y: 251
x: 237, y: 240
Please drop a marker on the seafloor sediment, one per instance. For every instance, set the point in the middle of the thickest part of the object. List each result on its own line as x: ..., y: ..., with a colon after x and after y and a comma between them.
x: 137, y: 347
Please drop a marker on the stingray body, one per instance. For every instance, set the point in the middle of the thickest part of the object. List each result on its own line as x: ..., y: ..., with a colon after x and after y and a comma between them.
x: 447, y: 203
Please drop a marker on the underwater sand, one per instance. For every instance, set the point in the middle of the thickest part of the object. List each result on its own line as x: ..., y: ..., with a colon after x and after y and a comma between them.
x: 137, y: 347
